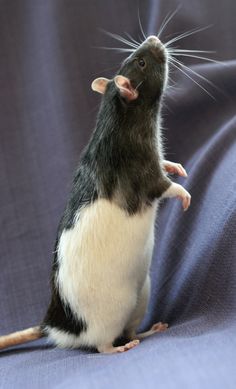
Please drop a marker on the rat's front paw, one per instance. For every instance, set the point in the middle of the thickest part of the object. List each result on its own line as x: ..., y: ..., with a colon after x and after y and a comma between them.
x: 174, y: 168
x: 176, y: 190
x: 184, y: 196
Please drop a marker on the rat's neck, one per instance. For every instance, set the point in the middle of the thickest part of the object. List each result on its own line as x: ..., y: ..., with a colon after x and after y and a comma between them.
x: 129, y: 122
x: 143, y: 121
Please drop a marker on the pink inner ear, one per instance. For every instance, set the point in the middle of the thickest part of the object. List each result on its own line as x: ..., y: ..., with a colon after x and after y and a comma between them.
x: 126, y: 84
x: 100, y: 84
x: 125, y: 88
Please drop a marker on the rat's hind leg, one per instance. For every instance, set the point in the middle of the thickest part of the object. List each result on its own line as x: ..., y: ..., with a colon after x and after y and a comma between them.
x: 110, y: 349
x: 158, y: 327
x: 138, y: 314
x: 106, y: 324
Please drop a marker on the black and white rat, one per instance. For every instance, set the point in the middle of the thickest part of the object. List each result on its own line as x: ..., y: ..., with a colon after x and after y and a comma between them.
x: 103, y: 251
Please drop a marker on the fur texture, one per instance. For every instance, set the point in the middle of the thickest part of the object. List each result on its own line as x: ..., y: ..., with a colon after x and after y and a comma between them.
x: 100, y: 275
x: 100, y: 280
x: 103, y: 265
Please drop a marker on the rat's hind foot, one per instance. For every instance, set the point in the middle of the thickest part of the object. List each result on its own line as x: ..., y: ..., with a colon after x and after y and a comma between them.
x: 128, y: 345
x: 109, y: 349
x: 158, y: 327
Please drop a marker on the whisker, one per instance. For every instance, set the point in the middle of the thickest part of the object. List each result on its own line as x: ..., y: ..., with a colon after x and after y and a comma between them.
x: 130, y: 37
x: 190, y: 51
x: 167, y: 107
x: 140, y: 38
x: 162, y: 24
x: 121, y: 49
x: 140, y: 25
x: 138, y: 85
x: 199, y: 57
x: 186, y: 34
x: 168, y: 19
x: 173, y: 85
x: 171, y: 79
x: 123, y: 40
x: 197, y: 74
x: 120, y: 39
x: 192, y: 79
x: 174, y: 34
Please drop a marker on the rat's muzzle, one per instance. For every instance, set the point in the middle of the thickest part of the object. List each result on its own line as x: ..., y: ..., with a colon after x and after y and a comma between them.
x: 153, y: 40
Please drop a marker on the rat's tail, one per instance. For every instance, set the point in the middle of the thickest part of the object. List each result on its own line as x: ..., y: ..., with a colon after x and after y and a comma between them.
x: 20, y: 337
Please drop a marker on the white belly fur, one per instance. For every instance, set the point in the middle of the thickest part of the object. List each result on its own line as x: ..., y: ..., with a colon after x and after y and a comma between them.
x: 104, y: 260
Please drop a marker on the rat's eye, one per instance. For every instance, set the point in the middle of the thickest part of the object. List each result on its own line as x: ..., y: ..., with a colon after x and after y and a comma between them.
x: 142, y: 63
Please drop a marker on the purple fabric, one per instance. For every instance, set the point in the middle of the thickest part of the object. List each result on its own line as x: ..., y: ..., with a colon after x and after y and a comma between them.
x: 47, y: 113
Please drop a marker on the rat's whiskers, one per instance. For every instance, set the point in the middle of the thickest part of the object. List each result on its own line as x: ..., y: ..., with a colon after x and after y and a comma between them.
x: 138, y: 85
x: 132, y: 39
x: 167, y: 19
x: 140, y: 25
x: 186, y: 34
x: 121, y: 39
x: 178, y: 66
x: 176, y: 50
x: 196, y: 74
x: 180, y: 54
x: 118, y: 49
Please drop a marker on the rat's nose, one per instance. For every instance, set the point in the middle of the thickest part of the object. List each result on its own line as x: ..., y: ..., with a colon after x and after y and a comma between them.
x: 153, y: 40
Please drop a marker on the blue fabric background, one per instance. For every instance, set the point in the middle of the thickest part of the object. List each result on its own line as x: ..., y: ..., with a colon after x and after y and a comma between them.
x: 47, y: 112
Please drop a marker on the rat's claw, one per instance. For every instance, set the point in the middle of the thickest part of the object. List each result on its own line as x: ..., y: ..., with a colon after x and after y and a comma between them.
x: 186, y: 201
x: 182, y: 194
x: 181, y: 170
x: 177, y: 190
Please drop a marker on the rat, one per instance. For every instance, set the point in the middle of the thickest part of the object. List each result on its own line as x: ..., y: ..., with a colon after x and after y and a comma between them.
x: 100, y: 274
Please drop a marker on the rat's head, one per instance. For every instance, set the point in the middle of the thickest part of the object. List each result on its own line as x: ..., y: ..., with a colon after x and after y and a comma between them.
x: 142, y: 76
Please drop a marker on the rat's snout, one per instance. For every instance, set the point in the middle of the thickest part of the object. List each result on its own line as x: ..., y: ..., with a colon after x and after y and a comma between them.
x: 156, y: 47
x: 153, y: 40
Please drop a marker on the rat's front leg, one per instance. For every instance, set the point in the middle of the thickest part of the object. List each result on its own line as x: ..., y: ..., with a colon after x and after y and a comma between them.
x: 176, y: 190
x: 174, y: 168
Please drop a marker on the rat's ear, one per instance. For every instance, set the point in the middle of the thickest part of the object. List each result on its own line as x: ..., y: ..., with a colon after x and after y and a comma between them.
x: 100, y: 84
x: 125, y: 88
